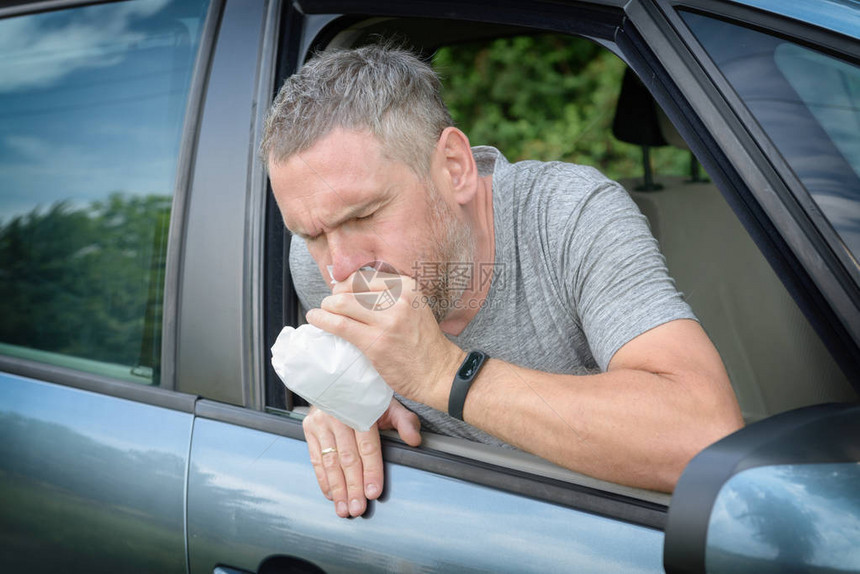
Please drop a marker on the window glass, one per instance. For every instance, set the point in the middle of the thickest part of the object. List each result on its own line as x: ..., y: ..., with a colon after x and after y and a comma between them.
x: 807, y: 102
x: 831, y: 91
x: 92, y: 102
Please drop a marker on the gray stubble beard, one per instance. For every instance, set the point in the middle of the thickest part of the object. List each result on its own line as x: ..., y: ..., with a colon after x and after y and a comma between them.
x: 454, y: 244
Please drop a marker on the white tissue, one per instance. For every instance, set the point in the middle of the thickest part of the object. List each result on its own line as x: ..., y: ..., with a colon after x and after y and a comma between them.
x: 331, y: 374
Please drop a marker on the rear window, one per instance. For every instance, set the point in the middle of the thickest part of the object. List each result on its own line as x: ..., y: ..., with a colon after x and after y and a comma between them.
x: 92, y: 102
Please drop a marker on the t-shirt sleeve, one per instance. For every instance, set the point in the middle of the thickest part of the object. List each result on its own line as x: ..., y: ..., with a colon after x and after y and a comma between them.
x: 611, y: 271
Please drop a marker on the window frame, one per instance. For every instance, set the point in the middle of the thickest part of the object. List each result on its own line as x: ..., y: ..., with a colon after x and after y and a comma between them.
x: 627, y: 40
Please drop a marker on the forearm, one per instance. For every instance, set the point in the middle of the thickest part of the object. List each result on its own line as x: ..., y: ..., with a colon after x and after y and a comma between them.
x: 627, y: 426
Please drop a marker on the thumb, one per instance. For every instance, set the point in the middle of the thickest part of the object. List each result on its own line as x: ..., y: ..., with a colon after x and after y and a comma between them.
x: 404, y: 421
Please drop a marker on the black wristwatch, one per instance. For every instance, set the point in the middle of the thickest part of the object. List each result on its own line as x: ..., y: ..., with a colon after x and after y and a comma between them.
x: 463, y: 381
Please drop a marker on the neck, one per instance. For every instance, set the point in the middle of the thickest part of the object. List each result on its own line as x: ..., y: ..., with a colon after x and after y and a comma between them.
x: 480, y: 215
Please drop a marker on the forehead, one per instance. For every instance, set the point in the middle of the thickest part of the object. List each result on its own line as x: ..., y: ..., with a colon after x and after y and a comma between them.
x: 343, y: 171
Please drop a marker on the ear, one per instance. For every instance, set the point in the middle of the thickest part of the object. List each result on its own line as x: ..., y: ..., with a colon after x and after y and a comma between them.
x: 458, y: 164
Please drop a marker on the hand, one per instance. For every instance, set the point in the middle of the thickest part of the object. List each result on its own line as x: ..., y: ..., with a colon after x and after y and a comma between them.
x: 353, y: 474
x: 401, y: 338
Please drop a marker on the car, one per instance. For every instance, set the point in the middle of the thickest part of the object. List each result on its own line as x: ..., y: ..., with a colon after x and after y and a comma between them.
x: 143, y: 279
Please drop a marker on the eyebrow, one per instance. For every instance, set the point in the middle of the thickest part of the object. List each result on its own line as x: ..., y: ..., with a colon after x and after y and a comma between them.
x: 352, y: 213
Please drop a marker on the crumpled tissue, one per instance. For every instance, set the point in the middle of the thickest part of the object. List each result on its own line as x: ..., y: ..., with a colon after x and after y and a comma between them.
x: 331, y: 374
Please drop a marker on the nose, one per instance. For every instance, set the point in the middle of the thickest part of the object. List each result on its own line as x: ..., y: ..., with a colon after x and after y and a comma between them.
x: 347, y: 255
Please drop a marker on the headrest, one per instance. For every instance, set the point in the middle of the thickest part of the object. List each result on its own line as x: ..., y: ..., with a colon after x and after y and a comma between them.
x: 638, y: 118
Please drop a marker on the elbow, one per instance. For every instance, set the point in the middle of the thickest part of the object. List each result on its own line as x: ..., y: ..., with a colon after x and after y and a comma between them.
x: 723, y: 418
x: 715, y: 424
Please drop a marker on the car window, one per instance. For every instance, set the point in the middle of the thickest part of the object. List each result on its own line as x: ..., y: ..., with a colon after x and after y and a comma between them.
x: 92, y: 101
x: 807, y: 102
x: 557, y: 97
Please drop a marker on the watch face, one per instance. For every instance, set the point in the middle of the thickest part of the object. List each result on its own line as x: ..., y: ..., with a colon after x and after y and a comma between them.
x: 472, y: 362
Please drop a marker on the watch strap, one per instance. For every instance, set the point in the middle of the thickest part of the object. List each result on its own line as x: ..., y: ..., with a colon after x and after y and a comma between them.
x: 463, y: 380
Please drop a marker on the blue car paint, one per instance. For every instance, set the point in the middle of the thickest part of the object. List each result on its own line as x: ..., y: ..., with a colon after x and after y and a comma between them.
x: 267, y: 488
x: 100, y: 477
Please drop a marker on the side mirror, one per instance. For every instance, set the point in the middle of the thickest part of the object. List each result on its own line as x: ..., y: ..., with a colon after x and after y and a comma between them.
x: 781, y: 495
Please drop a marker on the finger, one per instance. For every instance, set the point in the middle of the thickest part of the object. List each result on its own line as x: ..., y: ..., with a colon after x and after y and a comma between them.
x: 359, y: 307
x: 314, y: 450
x: 406, y: 423
x: 349, y: 494
x: 330, y: 461
x: 345, y: 327
x: 370, y: 449
x: 323, y: 432
x: 366, y: 280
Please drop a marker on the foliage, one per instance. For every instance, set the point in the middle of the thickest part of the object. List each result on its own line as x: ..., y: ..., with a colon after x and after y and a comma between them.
x: 84, y: 281
x: 547, y: 97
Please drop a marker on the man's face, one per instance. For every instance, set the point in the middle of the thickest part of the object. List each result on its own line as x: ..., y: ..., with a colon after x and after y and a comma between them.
x: 354, y: 207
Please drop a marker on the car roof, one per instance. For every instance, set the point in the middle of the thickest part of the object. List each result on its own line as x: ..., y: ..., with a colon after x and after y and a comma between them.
x: 842, y: 16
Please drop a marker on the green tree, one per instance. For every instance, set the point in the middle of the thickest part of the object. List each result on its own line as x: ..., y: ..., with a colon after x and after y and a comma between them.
x: 547, y: 97
x: 86, y: 281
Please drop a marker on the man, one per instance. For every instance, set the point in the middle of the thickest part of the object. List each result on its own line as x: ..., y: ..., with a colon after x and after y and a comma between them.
x: 595, y: 361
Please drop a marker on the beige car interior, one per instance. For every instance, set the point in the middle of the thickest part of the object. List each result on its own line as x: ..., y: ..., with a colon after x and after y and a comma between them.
x: 774, y: 358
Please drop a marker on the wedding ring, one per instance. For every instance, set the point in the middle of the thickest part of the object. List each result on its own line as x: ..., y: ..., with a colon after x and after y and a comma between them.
x: 328, y: 450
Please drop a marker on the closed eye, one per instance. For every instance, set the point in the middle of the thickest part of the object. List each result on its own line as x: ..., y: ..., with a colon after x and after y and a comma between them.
x: 307, y: 238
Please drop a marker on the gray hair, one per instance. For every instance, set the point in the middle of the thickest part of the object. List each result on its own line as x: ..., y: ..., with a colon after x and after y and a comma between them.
x: 385, y: 90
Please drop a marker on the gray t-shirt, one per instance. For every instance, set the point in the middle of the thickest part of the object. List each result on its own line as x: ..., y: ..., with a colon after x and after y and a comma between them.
x: 577, y: 274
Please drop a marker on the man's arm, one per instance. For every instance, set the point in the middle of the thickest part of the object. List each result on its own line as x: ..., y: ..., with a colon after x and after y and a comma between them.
x: 664, y: 397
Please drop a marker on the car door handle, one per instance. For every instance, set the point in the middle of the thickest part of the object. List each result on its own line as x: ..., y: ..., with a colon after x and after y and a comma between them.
x: 276, y: 564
